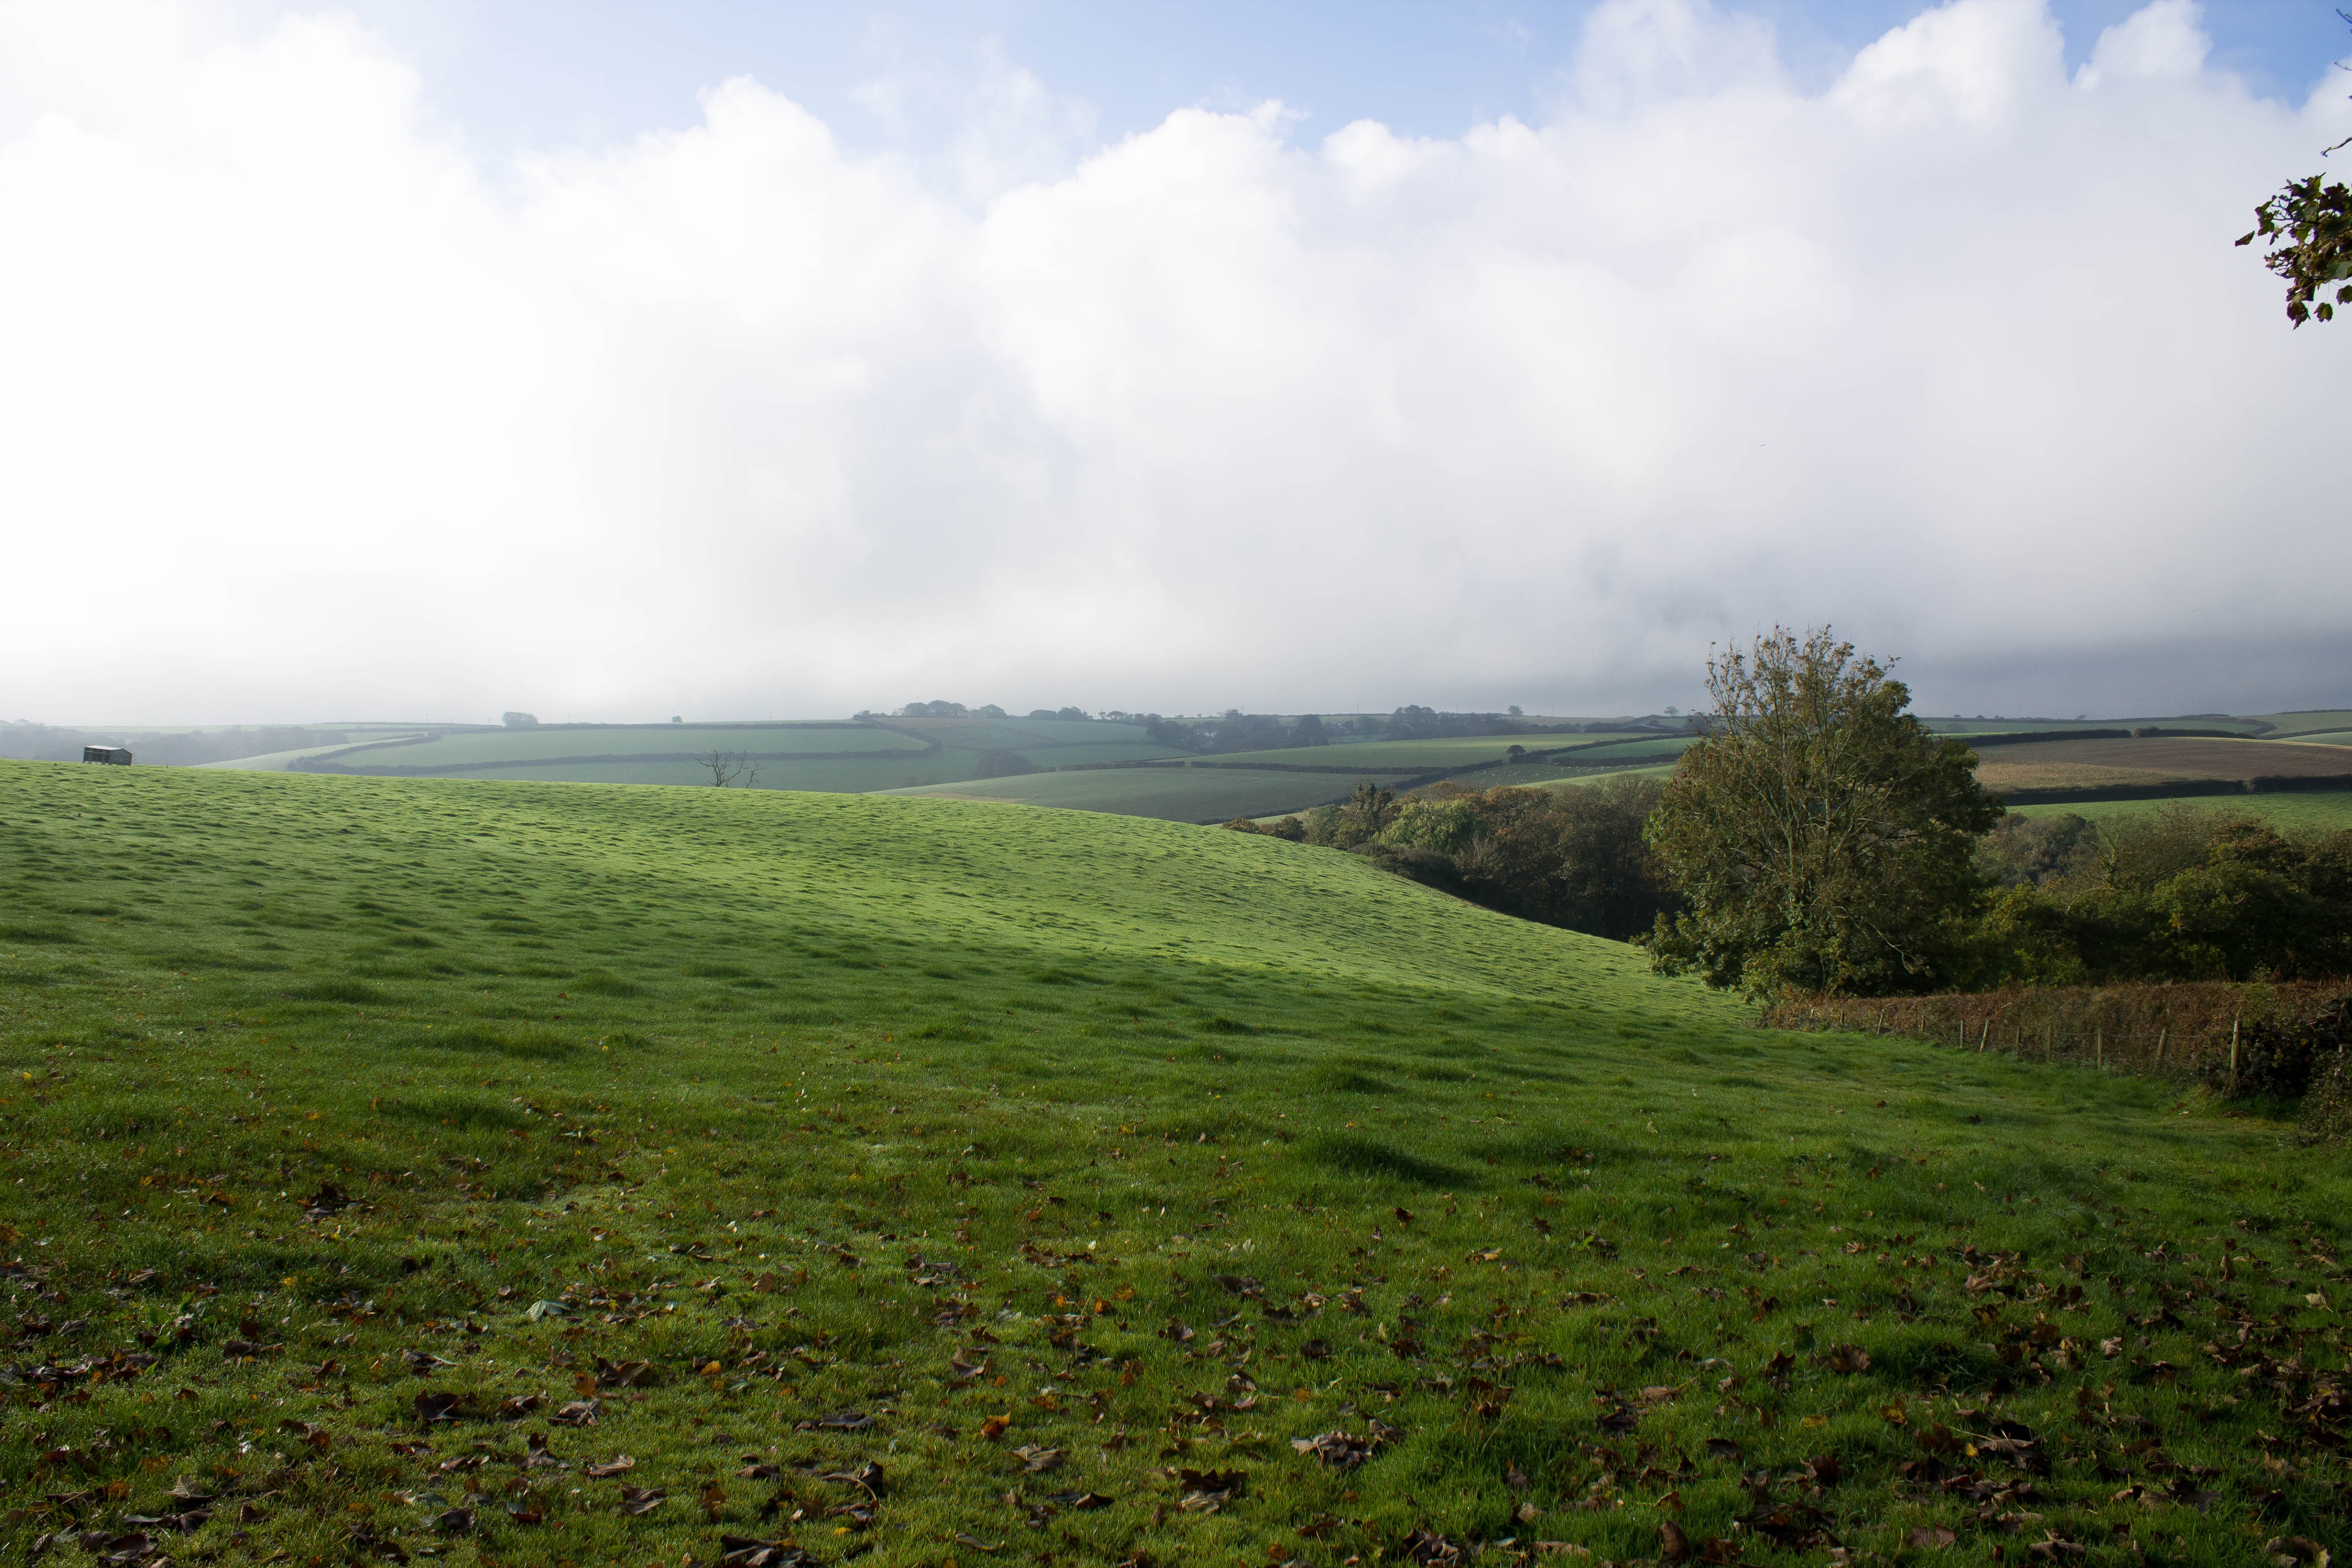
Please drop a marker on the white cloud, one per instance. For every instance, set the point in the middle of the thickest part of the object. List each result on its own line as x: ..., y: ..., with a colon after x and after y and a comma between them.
x: 2161, y: 40
x: 1968, y: 61
x: 305, y: 412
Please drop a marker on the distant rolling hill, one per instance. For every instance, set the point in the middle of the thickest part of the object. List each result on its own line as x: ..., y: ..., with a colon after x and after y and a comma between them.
x: 1116, y: 767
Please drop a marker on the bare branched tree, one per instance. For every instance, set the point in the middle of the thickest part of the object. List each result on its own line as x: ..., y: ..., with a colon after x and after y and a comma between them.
x: 730, y: 768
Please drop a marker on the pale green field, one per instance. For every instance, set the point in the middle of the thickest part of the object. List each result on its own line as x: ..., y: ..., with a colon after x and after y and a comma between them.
x: 984, y: 734
x: 1660, y: 770
x: 1070, y: 756
x: 1402, y: 755
x: 497, y: 747
x: 2324, y: 811
x: 1173, y: 795
x: 839, y: 775
x: 278, y: 762
x: 891, y: 755
x: 2296, y: 723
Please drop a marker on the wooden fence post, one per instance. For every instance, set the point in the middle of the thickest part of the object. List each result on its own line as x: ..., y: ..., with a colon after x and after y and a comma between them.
x: 2234, y: 1056
x: 2159, y: 1046
x: 2099, y: 1046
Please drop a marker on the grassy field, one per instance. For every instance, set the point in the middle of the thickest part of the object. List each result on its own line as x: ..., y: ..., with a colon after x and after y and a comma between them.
x: 1173, y: 795
x: 2326, y: 811
x: 574, y: 1175
x: 1068, y: 756
x: 2298, y: 723
x: 838, y: 775
x: 1659, y: 771
x: 548, y: 742
x: 1404, y: 756
x: 888, y: 754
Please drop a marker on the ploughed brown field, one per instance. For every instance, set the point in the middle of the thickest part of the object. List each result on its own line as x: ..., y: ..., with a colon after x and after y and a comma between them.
x: 2088, y: 765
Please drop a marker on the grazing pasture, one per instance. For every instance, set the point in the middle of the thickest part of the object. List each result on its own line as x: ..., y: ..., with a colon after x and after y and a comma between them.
x: 2297, y: 724
x: 844, y: 775
x: 1197, y: 794
x: 549, y: 743
x: 2322, y: 810
x: 530, y: 1173
x: 1406, y: 756
x: 829, y: 757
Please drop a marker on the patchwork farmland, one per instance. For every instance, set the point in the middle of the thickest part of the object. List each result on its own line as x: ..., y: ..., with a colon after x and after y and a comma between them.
x: 1120, y: 768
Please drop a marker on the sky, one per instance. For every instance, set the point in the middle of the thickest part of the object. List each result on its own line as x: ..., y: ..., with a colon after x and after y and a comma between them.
x: 416, y: 359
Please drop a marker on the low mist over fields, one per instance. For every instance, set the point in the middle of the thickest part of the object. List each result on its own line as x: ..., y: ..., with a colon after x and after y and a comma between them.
x: 733, y: 406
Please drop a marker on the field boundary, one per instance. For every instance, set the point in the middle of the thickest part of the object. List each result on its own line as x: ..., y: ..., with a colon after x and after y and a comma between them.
x: 2185, y: 1030
x: 1447, y: 770
x: 2027, y: 737
x: 1234, y: 767
x: 331, y: 761
x: 441, y: 770
x: 2264, y: 784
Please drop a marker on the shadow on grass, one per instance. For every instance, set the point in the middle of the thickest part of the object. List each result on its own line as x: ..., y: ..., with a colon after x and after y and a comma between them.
x: 456, y: 1113
x: 480, y: 1040
x: 1341, y: 1077
x: 1365, y: 1157
x: 342, y: 988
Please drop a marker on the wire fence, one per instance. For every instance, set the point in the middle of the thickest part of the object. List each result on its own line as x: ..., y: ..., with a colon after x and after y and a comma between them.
x: 2192, y: 1032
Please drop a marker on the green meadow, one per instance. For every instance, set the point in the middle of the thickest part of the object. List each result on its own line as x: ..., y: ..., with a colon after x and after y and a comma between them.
x: 2323, y: 811
x: 1193, y: 794
x: 835, y: 756
x: 574, y: 1174
x: 478, y: 747
x: 1382, y: 756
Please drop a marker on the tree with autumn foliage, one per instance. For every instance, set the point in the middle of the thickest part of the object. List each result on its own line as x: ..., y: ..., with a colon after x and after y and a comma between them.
x: 1822, y: 836
x: 2307, y: 234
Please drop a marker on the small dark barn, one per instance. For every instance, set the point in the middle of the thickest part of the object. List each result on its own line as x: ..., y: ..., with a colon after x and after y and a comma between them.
x: 119, y: 755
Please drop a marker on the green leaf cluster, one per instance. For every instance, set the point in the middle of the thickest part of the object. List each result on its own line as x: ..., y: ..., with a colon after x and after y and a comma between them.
x: 2307, y: 229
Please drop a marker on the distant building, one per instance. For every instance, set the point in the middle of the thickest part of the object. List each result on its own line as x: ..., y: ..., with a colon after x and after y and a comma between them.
x: 119, y: 755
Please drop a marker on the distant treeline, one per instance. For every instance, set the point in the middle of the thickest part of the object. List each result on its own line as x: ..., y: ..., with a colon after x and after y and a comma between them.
x: 1235, y: 730
x: 47, y: 743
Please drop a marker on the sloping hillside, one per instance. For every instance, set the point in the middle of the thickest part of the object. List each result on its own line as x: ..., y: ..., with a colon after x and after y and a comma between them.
x: 545, y: 1173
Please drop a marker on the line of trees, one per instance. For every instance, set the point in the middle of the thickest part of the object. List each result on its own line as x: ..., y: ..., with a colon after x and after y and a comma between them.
x: 944, y: 709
